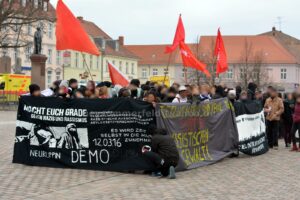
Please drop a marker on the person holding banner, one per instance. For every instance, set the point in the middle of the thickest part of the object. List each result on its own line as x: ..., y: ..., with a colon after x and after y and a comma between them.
x: 163, y: 153
x: 35, y: 90
x: 274, y: 109
x: 181, y: 97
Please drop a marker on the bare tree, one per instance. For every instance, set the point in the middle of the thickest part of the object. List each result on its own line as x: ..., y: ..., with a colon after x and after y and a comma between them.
x: 16, y: 16
x: 207, y: 56
x: 251, y: 67
x: 194, y: 76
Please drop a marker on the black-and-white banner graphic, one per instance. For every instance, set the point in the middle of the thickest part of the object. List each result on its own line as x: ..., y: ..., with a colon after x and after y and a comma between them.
x: 251, y: 125
x: 85, y: 133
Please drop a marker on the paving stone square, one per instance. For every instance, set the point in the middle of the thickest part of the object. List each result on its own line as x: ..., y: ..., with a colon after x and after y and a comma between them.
x: 274, y: 175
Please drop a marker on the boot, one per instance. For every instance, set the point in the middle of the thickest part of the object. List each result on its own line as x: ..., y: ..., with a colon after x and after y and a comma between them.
x: 294, y: 148
x: 172, y: 173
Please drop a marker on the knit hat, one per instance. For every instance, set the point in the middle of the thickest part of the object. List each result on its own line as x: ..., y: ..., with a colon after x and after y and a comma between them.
x: 64, y: 83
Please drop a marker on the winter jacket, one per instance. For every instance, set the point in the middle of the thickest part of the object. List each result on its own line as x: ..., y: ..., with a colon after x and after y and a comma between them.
x: 277, y: 108
x: 296, y: 115
x: 165, y: 146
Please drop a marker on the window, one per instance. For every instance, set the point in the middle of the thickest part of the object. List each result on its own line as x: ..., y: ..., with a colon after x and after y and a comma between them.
x: 23, y: 3
x: 58, y: 57
x: 229, y: 74
x: 155, y: 72
x: 28, y: 53
x: 283, y: 74
x: 4, y: 51
x: 29, y: 29
x: 16, y: 53
x: 127, y: 70
x: 91, y: 61
x: 183, y: 72
x: 106, y: 66
x: 49, y: 56
x: 40, y: 2
x: 45, y: 6
x: 144, y: 73
x: 76, y: 60
x: 98, y: 62
x: 242, y: 73
x: 83, y: 60
x: 132, y: 68
x: 17, y: 25
x: 57, y: 75
x: 166, y: 71
x: 50, y: 30
x: 35, y: 3
x: 49, y: 77
x: 120, y: 65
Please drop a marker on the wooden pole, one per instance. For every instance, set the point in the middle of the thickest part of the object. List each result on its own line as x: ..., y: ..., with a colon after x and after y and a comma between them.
x: 87, y: 67
x: 169, y: 60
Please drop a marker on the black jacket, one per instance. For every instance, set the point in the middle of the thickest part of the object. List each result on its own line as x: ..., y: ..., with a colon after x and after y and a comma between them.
x: 165, y: 146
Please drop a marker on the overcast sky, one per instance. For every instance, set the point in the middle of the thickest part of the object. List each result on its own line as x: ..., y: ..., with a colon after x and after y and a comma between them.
x: 154, y: 21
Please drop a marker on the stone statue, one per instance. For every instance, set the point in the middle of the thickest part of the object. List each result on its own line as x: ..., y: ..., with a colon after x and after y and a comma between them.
x: 38, y: 41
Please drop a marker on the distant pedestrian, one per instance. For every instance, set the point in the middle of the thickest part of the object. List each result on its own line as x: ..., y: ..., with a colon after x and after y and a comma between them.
x: 274, y: 109
x: 296, y: 124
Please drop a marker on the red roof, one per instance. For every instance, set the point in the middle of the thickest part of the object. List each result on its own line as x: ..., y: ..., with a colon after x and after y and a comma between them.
x: 154, y: 54
x: 271, y: 50
x: 93, y: 30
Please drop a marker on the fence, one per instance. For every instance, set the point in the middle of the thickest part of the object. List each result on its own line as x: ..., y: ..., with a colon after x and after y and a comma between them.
x: 9, y: 99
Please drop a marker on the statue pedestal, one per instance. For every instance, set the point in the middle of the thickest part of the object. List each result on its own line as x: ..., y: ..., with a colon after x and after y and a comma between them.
x: 5, y: 65
x: 38, y: 68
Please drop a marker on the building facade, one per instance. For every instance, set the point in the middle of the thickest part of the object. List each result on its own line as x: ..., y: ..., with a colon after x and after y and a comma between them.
x: 20, y: 57
x: 155, y: 63
x: 83, y: 66
x: 257, y: 58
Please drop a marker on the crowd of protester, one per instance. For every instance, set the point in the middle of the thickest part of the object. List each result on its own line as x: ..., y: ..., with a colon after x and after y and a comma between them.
x: 282, y: 112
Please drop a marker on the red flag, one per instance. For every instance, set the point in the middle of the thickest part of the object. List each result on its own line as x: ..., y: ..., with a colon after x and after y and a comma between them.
x: 179, y: 36
x: 117, y: 77
x: 220, y: 53
x: 70, y: 34
x: 189, y: 60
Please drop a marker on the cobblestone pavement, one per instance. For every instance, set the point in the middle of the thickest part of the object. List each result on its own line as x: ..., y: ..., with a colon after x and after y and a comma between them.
x: 274, y: 175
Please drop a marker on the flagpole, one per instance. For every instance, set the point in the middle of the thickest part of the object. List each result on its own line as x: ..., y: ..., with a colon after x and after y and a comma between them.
x: 169, y: 60
x: 185, y: 76
x: 214, y: 73
x: 84, y: 61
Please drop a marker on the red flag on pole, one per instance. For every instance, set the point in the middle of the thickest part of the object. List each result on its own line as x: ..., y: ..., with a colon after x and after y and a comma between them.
x: 179, y: 36
x: 117, y: 77
x: 220, y: 53
x: 189, y: 60
x: 70, y: 34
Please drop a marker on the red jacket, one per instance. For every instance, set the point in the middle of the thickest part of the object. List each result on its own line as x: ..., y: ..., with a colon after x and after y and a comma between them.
x: 296, y: 115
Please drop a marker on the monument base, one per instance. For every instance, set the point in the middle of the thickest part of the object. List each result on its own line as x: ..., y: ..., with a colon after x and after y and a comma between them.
x: 38, y: 68
x: 5, y: 63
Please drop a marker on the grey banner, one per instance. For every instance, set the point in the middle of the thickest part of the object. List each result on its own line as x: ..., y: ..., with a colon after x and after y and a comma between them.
x: 204, y: 133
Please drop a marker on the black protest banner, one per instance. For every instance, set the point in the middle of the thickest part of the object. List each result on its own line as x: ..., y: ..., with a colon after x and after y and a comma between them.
x: 83, y: 133
x: 251, y: 125
x: 204, y: 133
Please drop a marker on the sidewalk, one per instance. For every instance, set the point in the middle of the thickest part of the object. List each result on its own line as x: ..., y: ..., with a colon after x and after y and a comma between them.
x: 274, y: 175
